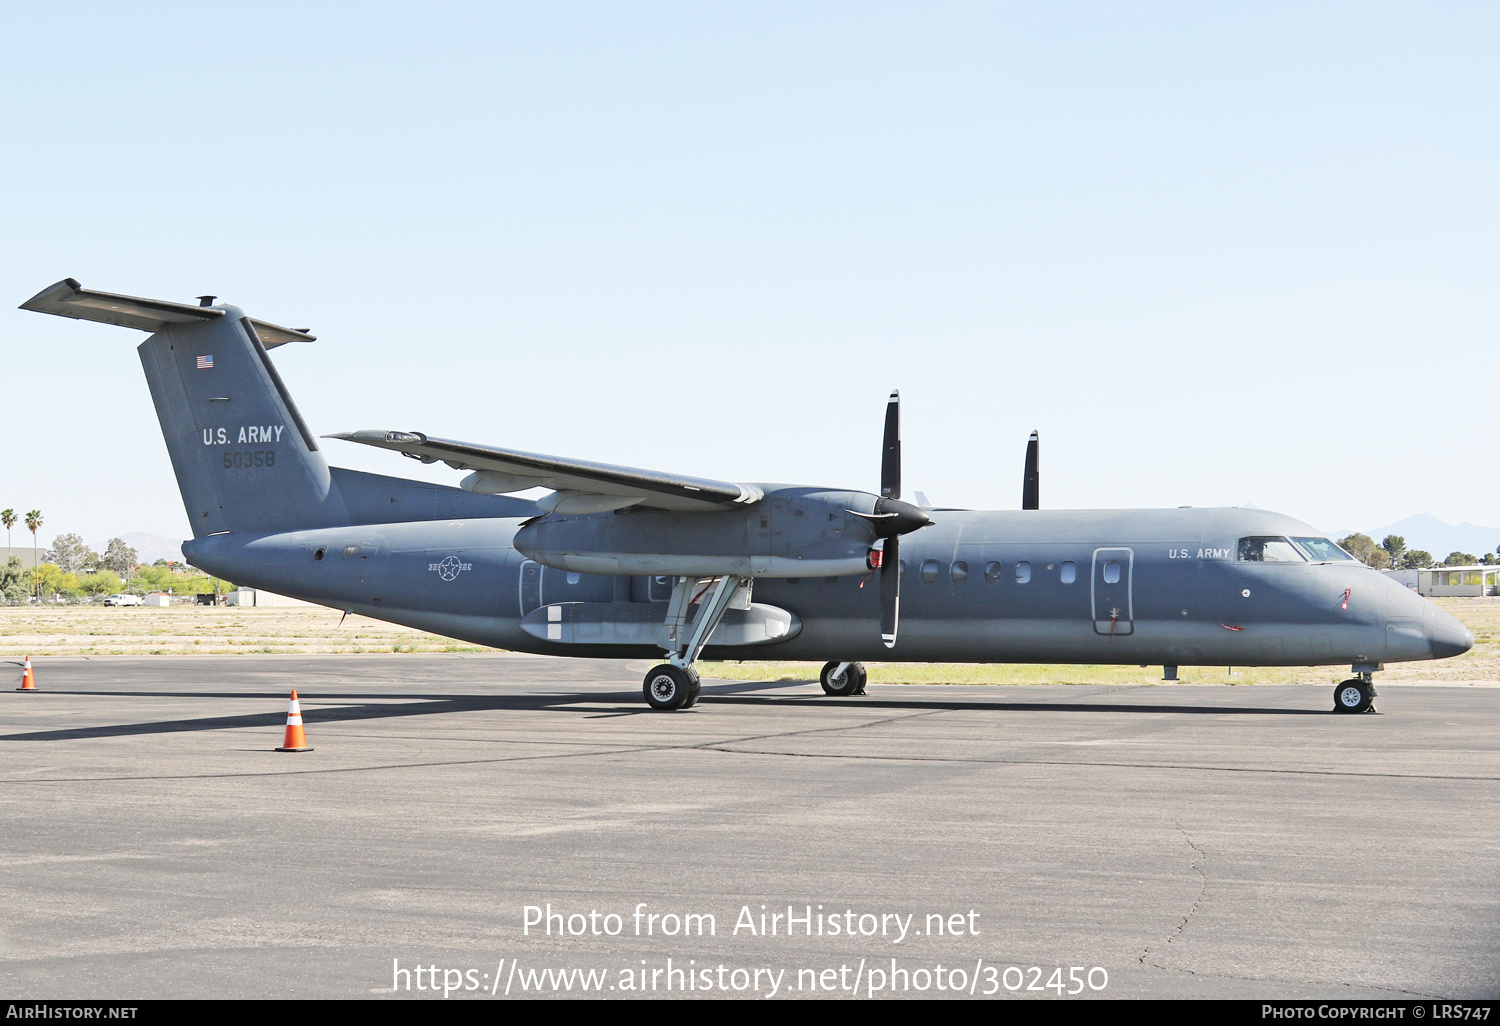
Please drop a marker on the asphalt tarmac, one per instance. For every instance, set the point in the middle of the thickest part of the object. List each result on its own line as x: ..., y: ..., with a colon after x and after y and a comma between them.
x: 1167, y: 841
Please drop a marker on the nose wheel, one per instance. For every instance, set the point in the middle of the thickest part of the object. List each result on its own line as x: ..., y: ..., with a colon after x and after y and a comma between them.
x: 843, y: 678
x: 1354, y: 696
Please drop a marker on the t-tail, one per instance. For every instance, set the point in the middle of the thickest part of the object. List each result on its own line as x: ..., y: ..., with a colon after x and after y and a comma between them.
x: 245, y: 459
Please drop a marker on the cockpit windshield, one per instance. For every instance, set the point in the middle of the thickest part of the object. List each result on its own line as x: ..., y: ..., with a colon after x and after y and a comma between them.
x: 1321, y: 549
x: 1269, y: 550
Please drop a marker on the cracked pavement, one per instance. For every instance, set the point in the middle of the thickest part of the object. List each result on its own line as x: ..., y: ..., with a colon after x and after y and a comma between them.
x: 1194, y: 841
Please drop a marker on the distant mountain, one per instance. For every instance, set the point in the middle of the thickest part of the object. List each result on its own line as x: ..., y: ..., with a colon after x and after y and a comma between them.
x: 1425, y: 531
x: 151, y: 547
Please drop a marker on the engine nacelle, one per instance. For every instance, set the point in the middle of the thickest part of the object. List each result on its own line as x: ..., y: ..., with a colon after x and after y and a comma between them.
x: 793, y: 532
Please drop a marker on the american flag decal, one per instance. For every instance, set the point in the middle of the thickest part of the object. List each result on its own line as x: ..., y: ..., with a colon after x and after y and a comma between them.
x: 205, y: 363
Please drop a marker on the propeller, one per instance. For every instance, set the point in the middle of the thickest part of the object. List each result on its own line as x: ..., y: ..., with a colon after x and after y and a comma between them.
x: 1031, y: 484
x: 891, y: 519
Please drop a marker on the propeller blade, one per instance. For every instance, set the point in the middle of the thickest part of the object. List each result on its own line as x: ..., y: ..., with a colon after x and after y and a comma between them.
x: 890, y: 590
x: 890, y: 456
x: 1031, y: 486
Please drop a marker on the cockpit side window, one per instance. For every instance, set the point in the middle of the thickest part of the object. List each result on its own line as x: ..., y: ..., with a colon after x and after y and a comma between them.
x: 1269, y: 550
x: 1320, y: 549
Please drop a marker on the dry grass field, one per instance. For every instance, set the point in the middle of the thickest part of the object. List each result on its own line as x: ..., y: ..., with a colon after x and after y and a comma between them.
x: 182, y: 630
x: 204, y: 630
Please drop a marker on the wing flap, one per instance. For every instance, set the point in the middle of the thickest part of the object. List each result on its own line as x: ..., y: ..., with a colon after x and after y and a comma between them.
x: 511, y: 470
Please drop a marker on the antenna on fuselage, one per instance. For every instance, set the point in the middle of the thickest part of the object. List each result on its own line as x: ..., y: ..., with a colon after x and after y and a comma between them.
x: 1031, y: 485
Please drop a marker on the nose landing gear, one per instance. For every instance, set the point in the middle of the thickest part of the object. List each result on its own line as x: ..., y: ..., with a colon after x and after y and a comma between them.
x: 1355, y: 696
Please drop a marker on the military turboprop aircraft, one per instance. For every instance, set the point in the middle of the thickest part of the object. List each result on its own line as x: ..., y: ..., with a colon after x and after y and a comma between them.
x: 621, y: 562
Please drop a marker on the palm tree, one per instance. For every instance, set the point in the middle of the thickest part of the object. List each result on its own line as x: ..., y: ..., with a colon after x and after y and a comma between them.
x: 8, y: 518
x: 34, y: 524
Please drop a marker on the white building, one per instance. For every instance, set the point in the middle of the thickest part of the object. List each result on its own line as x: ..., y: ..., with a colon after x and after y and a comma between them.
x: 1470, y: 581
x: 262, y: 599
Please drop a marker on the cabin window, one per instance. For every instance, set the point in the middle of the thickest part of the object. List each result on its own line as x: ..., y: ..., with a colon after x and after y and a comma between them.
x: 1023, y: 572
x: 930, y: 570
x: 1321, y: 549
x: 1068, y: 572
x: 572, y: 577
x: 1268, y: 550
x: 1112, y: 572
x: 960, y: 572
x: 992, y: 571
x: 319, y: 553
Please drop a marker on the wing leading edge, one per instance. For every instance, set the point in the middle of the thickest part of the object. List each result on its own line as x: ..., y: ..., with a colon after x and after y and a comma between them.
x: 579, y: 486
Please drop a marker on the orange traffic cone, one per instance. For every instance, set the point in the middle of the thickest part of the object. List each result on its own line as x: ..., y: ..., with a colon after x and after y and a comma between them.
x: 295, y: 740
x: 28, y: 679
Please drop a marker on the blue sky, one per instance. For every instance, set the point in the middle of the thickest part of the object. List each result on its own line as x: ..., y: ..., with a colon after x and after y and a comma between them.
x: 1214, y: 253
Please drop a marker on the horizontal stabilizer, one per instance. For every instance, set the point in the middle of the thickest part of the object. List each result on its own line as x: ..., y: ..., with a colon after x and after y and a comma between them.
x: 69, y: 299
x: 510, y: 470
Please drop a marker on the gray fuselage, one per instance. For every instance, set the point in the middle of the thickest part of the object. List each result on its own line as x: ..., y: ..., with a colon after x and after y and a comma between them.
x: 976, y: 587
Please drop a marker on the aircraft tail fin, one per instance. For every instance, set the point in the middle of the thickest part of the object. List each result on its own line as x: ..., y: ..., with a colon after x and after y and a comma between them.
x: 244, y: 458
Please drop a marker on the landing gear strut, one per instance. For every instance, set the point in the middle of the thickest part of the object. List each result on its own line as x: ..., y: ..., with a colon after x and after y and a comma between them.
x: 1355, y: 696
x: 843, y: 678
x: 674, y: 684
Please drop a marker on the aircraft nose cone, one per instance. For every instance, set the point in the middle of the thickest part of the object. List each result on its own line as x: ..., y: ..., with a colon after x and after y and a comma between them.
x: 1447, y: 642
x: 1448, y: 637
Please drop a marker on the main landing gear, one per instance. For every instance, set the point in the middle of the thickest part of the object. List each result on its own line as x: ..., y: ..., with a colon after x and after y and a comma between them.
x: 674, y: 684
x: 672, y: 687
x: 843, y: 678
x: 1355, y: 696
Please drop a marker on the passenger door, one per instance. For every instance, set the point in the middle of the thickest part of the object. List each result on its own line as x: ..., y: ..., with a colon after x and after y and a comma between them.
x: 1111, y: 593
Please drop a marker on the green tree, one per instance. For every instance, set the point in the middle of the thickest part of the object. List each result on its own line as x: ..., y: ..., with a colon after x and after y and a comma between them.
x: 69, y: 552
x: 104, y: 582
x: 34, y: 524
x: 54, y: 580
x: 118, y: 557
x: 1363, y: 548
x: 8, y: 518
x: 1395, y: 548
x: 1416, y: 559
x: 13, y: 580
x: 203, y: 584
x: 1456, y: 558
x: 151, y: 578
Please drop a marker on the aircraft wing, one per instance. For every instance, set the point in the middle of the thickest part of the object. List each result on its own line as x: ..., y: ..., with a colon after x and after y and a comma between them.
x: 579, y: 486
x: 69, y: 299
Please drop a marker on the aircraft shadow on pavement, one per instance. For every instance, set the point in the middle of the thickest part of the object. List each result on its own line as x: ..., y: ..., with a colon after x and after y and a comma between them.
x: 388, y: 706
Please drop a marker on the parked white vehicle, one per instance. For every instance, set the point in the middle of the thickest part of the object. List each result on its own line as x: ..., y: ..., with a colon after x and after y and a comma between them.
x: 122, y: 600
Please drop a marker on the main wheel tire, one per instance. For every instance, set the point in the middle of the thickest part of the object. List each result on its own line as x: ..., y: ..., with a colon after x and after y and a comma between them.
x: 694, y: 690
x: 846, y: 684
x: 864, y: 678
x: 1353, y: 696
x: 667, y: 687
